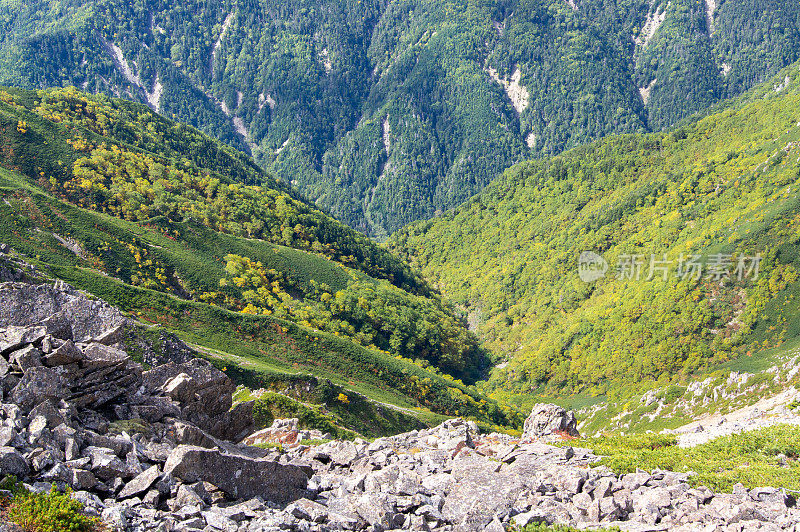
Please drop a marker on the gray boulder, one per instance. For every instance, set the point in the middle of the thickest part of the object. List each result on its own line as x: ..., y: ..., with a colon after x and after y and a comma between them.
x: 548, y: 420
x: 15, y: 337
x: 235, y: 424
x: 13, y: 463
x: 479, y: 492
x: 65, y: 354
x: 238, y: 476
x: 203, y: 392
x: 141, y: 483
x: 38, y: 385
x: 25, y: 305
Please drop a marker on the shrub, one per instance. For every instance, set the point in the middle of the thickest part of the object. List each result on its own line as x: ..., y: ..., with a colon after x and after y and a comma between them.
x: 46, y: 512
x: 542, y: 527
x: 751, y: 458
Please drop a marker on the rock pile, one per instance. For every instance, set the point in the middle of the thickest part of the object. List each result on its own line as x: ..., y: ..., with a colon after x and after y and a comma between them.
x: 136, y: 446
x: 768, y: 411
x: 452, y: 478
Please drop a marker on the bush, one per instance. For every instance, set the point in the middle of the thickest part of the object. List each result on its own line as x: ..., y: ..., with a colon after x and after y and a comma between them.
x: 46, y: 512
x: 541, y: 527
x: 273, y: 405
x: 750, y: 458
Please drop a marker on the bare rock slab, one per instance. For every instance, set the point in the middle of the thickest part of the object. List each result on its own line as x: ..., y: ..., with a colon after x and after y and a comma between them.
x: 141, y: 483
x: 238, y: 476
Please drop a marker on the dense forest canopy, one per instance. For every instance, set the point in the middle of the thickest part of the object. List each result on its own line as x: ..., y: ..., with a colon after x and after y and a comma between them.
x: 386, y: 112
x: 720, y: 191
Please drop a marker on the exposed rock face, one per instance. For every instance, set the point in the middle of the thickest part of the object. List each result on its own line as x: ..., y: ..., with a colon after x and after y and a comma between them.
x: 238, y: 476
x: 285, y: 432
x: 78, y: 412
x: 549, y: 422
x: 12, y: 269
x: 25, y: 304
x: 203, y: 392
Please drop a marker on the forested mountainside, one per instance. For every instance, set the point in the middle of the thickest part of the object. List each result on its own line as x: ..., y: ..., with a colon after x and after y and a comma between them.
x: 385, y: 112
x: 695, y: 236
x: 190, y: 234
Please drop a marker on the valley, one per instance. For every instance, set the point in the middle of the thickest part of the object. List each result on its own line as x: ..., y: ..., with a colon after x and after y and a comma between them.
x: 517, y: 266
x: 176, y: 271
x: 719, y: 184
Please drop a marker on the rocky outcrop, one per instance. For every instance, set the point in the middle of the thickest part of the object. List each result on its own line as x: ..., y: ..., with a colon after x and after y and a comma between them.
x: 82, y: 318
x: 12, y: 269
x: 202, y: 391
x: 240, y: 477
x: 78, y: 412
x: 285, y: 432
x: 548, y: 421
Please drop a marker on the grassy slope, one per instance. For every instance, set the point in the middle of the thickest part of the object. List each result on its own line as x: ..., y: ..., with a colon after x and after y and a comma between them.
x: 750, y: 458
x: 256, y: 350
x: 54, y: 119
x: 724, y: 182
x: 108, y: 253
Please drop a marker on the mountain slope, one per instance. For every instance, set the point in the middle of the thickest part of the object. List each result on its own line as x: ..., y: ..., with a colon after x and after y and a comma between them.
x: 388, y: 112
x: 717, y: 189
x: 119, y: 201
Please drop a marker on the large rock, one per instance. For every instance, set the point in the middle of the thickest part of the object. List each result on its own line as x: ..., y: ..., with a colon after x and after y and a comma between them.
x: 548, y: 421
x: 13, y: 463
x: 479, y: 492
x: 14, y: 337
x: 63, y: 355
x: 97, y: 356
x: 39, y: 385
x: 103, y: 375
x: 141, y: 483
x: 238, y: 476
x: 25, y: 305
x: 236, y: 423
x: 203, y: 392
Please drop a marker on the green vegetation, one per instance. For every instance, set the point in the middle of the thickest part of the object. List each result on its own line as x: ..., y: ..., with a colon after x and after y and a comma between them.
x: 723, y: 184
x: 387, y: 112
x: 274, y: 405
x: 45, y: 512
x: 541, y: 527
x: 751, y: 458
x: 134, y: 227
x: 314, y: 442
x: 330, y: 408
x: 130, y: 426
x: 120, y: 158
x: 375, y: 314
